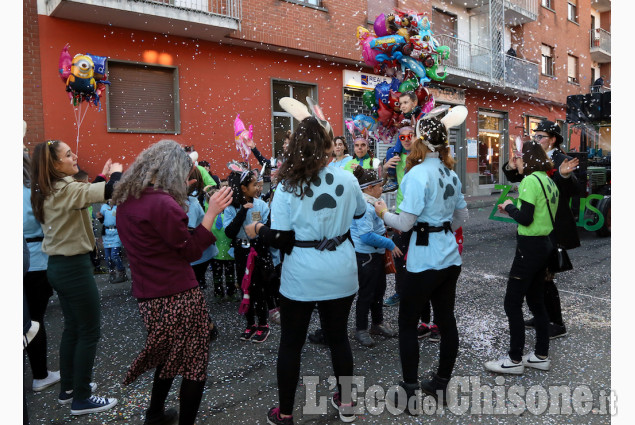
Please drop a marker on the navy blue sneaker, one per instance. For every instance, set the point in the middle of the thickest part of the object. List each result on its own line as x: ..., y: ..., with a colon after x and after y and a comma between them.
x: 66, y: 397
x: 92, y: 404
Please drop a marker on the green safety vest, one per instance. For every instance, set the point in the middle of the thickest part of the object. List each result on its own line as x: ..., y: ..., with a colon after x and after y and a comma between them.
x: 367, y: 164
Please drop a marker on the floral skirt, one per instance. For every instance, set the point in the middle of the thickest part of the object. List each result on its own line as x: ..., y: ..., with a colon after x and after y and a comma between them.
x: 178, y: 337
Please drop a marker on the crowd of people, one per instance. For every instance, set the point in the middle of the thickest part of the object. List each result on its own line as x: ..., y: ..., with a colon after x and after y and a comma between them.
x: 320, y: 240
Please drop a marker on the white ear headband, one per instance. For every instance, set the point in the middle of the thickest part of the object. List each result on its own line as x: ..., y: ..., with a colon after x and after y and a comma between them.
x: 299, y: 111
x: 455, y: 117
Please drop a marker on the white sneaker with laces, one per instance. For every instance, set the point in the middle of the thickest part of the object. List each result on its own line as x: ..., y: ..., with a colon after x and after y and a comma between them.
x: 531, y: 360
x: 51, y: 379
x: 505, y: 365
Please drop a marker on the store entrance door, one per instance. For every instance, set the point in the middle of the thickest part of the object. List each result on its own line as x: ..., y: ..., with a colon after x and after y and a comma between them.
x: 492, y: 137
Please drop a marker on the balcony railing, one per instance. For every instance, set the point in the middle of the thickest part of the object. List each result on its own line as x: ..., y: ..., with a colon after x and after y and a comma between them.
x: 526, y: 11
x: 226, y: 8
x: 600, y: 39
x: 204, y: 19
x: 467, y: 57
x: 521, y: 74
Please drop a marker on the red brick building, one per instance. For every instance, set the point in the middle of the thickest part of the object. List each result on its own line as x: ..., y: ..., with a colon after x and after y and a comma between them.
x: 183, y: 69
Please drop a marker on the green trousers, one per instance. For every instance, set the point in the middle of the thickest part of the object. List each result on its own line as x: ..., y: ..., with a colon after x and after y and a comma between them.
x: 72, y: 278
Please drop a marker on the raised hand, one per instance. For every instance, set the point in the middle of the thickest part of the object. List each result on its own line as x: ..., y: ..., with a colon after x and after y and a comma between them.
x: 219, y: 201
x: 567, y: 166
x: 106, y: 170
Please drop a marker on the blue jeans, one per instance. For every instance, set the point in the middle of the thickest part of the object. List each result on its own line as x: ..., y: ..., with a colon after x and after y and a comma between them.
x: 113, y: 258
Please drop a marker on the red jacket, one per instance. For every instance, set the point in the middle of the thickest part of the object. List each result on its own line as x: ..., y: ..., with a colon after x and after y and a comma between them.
x: 153, y: 229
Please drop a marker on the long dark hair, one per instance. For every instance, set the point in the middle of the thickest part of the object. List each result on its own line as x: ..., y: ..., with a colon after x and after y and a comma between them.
x: 43, y: 175
x: 535, y: 158
x: 305, y: 156
x: 235, y: 180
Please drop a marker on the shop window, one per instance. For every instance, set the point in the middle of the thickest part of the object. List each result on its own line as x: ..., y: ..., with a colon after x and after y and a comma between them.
x: 547, y: 60
x: 282, y: 120
x: 491, y: 134
x: 572, y: 11
x: 572, y: 69
x: 142, y: 98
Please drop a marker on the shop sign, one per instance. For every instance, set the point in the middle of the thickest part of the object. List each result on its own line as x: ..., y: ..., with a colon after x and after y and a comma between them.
x: 449, y: 95
x: 585, y: 203
x: 361, y: 80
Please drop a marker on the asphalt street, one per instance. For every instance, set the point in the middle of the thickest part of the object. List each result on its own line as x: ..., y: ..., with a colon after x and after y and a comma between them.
x: 241, y: 384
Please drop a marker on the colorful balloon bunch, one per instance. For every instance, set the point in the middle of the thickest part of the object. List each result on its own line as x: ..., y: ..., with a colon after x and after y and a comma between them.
x: 404, y: 49
x: 84, y: 76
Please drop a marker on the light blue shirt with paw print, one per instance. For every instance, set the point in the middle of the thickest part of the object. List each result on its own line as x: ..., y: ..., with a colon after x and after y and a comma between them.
x: 327, y: 210
x: 432, y: 192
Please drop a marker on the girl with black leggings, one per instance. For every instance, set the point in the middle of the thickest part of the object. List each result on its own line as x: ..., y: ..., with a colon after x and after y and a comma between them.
x: 433, y: 206
x: 311, y: 214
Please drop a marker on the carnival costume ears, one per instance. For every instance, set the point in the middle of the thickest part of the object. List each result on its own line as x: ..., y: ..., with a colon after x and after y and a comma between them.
x: 300, y: 112
x: 238, y: 167
x: 356, y: 130
x: 454, y: 117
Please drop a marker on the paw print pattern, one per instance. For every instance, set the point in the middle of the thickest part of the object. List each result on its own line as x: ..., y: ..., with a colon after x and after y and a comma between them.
x: 324, y: 200
x: 447, y: 183
x: 552, y: 191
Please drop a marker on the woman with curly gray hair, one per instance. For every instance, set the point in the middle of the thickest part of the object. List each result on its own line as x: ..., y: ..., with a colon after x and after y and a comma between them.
x: 152, y: 224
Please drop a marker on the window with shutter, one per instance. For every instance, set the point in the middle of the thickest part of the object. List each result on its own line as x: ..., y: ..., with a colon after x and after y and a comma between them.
x: 572, y: 69
x: 142, y: 98
x: 547, y: 60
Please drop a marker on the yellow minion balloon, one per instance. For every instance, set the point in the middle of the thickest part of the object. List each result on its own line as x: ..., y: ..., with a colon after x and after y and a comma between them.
x: 82, y: 78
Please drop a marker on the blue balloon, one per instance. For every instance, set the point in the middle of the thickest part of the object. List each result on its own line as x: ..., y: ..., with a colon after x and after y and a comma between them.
x: 100, y: 66
x: 382, y: 92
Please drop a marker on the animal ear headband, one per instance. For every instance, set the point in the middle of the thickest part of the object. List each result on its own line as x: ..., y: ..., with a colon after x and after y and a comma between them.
x: 299, y: 111
x: 454, y: 117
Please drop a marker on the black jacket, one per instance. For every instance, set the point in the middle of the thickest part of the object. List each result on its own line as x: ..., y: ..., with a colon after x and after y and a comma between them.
x: 565, y: 229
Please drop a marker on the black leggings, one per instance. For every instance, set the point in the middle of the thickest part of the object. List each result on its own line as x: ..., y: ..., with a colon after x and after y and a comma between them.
x: 38, y: 291
x: 438, y: 286
x: 190, y: 397
x: 402, y: 240
x: 257, y: 288
x: 527, y: 280
x: 295, y: 317
x: 199, y: 271
x: 372, y: 287
x: 228, y: 268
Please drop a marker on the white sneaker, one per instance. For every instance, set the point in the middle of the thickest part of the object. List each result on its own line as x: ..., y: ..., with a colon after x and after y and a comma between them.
x: 51, y: 379
x: 505, y: 365
x: 531, y: 360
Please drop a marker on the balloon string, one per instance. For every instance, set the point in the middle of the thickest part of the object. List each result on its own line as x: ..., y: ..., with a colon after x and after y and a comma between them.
x: 79, y: 122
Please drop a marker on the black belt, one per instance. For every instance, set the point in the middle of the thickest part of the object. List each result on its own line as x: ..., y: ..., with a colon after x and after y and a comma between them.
x: 424, y: 229
x: 328, y: 244
x: 35, y: 239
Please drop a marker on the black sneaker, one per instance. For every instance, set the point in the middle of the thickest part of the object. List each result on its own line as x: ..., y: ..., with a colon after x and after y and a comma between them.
x: 530, y: 324
x: 394, y: 400
x: 261, y: 334
x: 436, y: 386
x: 317, y: 337
x: 249, y: 332
x: 435, y: 335
x: 273, y: 417
x: 346, y: 412
x: 556, y: 331
x: 92, y: 404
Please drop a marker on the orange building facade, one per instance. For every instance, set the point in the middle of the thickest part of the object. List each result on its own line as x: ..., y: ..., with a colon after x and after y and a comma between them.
x: 242, y: 57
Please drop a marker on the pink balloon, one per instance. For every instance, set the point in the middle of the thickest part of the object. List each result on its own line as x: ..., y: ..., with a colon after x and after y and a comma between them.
x: 368, y: 54
x: 65, y: 63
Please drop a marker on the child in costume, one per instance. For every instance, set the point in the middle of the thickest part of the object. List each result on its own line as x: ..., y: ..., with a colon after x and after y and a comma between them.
x: 246, y: 208
x: 112, y: 243
x: 223, y: 264
x: 370, y: 243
